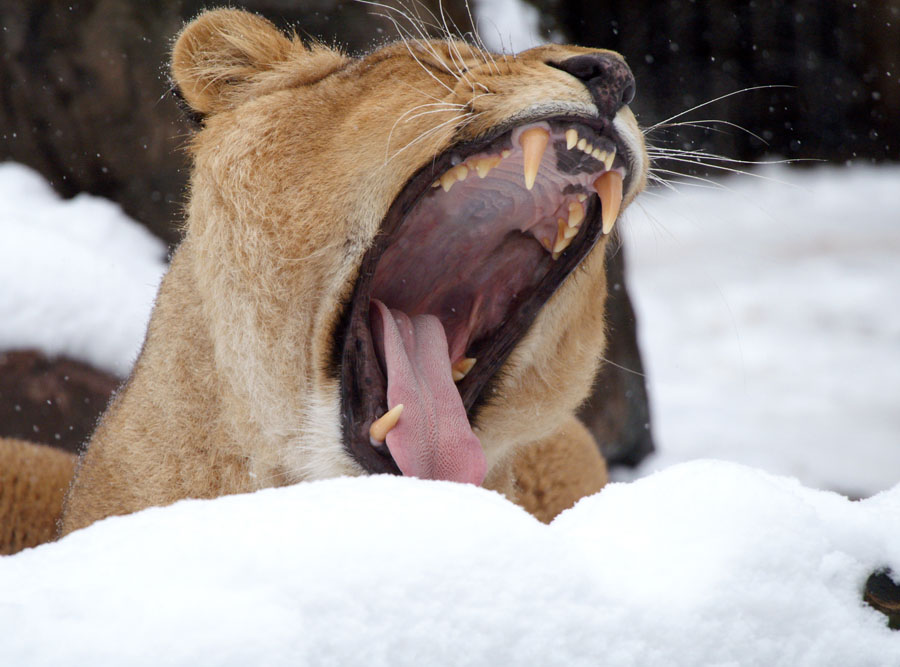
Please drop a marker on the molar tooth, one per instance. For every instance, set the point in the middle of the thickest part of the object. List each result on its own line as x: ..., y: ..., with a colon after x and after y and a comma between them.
x: 448, y: 178
x: 485, y: 164
x: 608, y: 161
x: 576, y: 214
x: 561, y: 244
x: 534, y: 143
x: 581, y: 144
x: 571, y: 139
x: 382, y: 426
x: 609, y: 188
x: 462, y: 367
x: 461, y: 172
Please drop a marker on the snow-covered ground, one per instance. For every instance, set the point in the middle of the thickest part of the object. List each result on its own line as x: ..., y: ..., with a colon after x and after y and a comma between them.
x: 772, y: 337
x: 703, y: 564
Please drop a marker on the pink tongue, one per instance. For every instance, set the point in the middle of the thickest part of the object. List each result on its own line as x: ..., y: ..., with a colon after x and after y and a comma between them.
x: 433, y: 439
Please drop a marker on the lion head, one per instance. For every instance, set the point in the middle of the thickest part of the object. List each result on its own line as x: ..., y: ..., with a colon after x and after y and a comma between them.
x: 421, y: 227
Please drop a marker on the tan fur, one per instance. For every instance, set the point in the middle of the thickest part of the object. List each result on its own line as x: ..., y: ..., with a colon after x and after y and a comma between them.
x: 33, y: 482
x: 555, y: 473
x: 301, y: 154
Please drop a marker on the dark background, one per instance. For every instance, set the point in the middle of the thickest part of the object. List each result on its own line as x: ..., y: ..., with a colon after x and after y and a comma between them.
x: 83, y: 91
x: 85, y: 100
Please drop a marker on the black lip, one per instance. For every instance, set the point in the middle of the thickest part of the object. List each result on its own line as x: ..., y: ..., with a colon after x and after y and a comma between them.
x: 363, y: 386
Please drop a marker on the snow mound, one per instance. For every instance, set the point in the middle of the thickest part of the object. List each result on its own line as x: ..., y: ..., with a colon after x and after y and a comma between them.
x: 705, y: 563
x: 79, y: 275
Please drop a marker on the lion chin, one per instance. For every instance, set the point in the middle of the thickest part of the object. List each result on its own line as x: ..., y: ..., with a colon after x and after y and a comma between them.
x: 392, y: 264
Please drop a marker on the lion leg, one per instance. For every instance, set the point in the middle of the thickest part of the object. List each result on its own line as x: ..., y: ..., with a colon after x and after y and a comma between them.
x: 554, y: 473
x: 33, y: 483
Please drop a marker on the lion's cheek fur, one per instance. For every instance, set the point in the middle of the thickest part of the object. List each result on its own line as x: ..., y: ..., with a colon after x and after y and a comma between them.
x: 551, y: 370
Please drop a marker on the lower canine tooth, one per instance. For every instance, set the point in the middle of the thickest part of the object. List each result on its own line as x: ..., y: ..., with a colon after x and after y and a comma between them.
x: 382, y: 426
x: 609, y: 189
x: 571, y: 139
x: 534, y: 142
x: 462, y: 367
x: 608, y: 160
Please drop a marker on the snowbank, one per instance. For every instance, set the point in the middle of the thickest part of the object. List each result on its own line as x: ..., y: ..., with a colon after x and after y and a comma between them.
x: 705, y: 563
x: 77, y: 277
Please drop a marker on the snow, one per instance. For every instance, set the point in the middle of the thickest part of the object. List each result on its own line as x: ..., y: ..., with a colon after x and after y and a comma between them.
x: 706, y: 563
x: 770, y: 323
x: 78, y: 276
x: 770, y: 329
x: 507, y: 26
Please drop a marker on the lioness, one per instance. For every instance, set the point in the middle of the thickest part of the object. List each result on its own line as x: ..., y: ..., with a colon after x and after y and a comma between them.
x: 392, y: 264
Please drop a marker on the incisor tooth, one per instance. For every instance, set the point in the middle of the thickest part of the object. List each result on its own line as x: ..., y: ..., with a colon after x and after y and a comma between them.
x: 534, y: 143
x: 588, y: 149
x: 485, y: 164
x: 581, y: 144
x: 462, y: 367
x: 571, y: 139
x: 581, y: 197
x: 609, y: 188
x: 576, y: 214
x: 382, y: 426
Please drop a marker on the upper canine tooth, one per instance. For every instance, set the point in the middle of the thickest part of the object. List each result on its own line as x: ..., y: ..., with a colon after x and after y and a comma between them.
x: 462, y: 367
x: 576, y: 214
x: 382, y: 426
x: 534, y: 142
x: 609, y: 188
x: 608, y: 160
x: 485, y: 164
x: 571, y: 138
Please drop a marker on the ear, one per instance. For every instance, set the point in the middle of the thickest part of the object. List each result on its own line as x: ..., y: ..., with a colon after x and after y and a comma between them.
x: 221, y: 55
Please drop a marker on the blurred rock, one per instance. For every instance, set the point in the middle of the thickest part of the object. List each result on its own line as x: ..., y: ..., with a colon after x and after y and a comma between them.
x: 52, y: 401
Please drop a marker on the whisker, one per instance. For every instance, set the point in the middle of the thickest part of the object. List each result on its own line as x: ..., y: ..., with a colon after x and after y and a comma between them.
x: 708, y: 102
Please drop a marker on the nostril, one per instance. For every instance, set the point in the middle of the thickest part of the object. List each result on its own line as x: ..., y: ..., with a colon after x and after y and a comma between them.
x: 606, y: 76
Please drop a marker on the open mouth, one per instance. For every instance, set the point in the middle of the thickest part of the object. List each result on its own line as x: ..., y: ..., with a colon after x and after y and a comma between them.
x: 467, y: 255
